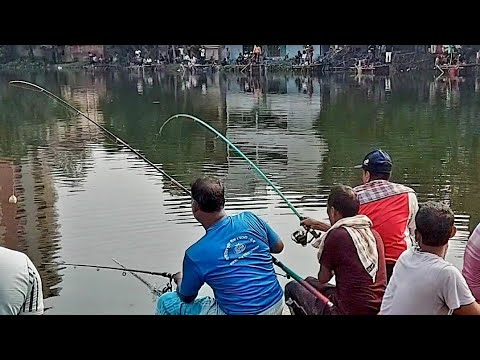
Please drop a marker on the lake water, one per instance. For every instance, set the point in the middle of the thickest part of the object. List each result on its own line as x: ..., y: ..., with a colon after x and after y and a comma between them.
x: 83, y: 199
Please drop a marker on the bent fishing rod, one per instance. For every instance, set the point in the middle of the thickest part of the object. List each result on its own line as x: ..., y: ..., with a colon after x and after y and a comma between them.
x: 33, y: 87
x: 298, y: 236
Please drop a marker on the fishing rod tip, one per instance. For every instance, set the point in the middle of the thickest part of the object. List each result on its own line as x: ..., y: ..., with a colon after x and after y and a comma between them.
x: 16, y: 82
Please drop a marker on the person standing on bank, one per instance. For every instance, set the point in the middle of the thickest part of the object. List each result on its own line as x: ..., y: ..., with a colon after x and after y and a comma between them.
x: 388, y: 54
x: 390, y: 206
x: 233, y: 258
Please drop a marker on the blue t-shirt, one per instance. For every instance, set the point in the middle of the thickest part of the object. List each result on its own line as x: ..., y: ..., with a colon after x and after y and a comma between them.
x: 234, y: 259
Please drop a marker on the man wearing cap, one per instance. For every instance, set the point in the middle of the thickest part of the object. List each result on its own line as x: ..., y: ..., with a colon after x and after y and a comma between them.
x: 391, y: 207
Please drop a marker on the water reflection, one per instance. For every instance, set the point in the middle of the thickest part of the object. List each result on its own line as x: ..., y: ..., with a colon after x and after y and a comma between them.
x: 84, y: 199
x: 31, y: 225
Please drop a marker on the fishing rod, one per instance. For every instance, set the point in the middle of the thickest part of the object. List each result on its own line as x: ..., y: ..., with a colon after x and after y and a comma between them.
x: 155, y: 291
x: 305, y: 284
x: 298, y: 236
x: 229, y: 143
x: 152, y: 288
x: 33, y: 87
x: 123, y: 269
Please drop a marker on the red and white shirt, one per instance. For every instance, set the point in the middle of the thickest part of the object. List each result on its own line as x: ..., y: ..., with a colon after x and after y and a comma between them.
x: 392, y: 208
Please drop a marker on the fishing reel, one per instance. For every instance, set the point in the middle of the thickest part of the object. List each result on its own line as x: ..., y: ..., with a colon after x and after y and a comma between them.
x: 158, y: 291
x: 301, y: 236
x: 168, y: 286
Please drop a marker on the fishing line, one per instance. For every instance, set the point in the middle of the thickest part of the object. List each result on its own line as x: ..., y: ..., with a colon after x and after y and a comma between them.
x: 25, y: 85
x: 13, y: 199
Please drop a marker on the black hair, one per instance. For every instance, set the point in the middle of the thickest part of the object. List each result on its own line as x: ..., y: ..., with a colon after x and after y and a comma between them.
x: 209, y: 194
x: 379, y: 176
x: 434, y: 222
x: 344, y: 200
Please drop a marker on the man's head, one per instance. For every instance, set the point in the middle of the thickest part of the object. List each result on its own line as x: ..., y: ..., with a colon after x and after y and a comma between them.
x: 342, y: 202
x: 434, y: 224
x: 377, y: 165
x: 208, y: 197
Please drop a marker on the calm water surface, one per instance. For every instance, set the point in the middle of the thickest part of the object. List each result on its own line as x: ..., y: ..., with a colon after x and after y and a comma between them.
x: 84, y: 199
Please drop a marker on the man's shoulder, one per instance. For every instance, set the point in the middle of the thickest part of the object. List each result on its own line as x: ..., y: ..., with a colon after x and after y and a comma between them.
x: 339, y: 231
x: 338, y: 234
x: 447, y: 268
x: 378, y: 191
x: 432, y: 261
x: 408, y: 254
x: 246, y: 218
x: 197, y: 255
x: 197, y: 247
x: 339, y: 240
x: 244, y: 215
x: 445, y: 272
x: 10, y: 252
x: 407, y: 189
x: 371, y: 185
x: 12, y: 256
x: 13, y: 264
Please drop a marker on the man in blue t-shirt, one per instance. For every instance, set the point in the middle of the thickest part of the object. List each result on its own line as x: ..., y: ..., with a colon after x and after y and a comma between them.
x: 233, y: 258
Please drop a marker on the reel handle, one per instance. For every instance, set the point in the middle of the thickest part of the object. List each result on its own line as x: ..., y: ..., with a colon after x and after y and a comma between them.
x: 311, y: 231
x: 314, y: 233
x: 301, y: 236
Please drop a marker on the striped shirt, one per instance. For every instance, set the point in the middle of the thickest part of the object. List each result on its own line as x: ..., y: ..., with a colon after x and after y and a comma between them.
x: 471, y: 263
x: 20, y: 285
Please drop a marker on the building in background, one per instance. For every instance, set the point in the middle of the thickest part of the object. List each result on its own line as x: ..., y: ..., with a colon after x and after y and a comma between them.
x: 8, y: 211
x: 275, y: 51
x: 213, y: 50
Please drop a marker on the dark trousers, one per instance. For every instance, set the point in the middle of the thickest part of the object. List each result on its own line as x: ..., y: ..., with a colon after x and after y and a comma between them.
x: 389, y: 268
x: 300, y: 301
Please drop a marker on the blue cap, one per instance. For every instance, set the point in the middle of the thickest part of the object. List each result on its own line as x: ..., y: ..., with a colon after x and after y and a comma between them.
x: 377, y: 162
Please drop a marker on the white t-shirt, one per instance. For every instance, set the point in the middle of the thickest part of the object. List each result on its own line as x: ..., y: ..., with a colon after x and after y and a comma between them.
x: 424, y: 284
x: 20, y: 285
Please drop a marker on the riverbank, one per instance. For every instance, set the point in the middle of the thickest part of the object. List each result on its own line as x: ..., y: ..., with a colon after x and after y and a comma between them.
x: 23, y: 64
x: 262, y: 69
